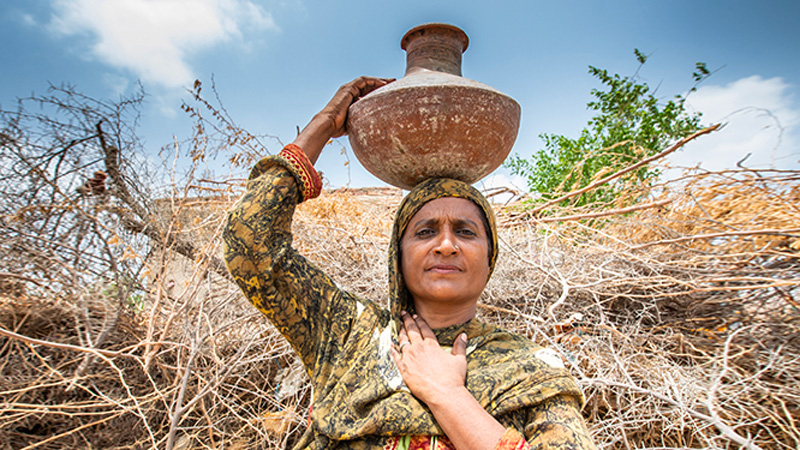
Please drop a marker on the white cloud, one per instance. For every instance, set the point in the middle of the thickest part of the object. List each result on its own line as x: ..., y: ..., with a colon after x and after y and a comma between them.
x: 760, y: 119
x: 152, y: 38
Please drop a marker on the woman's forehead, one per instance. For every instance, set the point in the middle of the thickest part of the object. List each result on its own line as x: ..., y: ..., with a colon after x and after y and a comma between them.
x: 448, y: 208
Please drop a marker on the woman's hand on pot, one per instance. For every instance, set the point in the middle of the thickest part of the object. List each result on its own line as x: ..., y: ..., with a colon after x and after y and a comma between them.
x: 431, y: 373
x: 330, y: 122
x: 335, y: 112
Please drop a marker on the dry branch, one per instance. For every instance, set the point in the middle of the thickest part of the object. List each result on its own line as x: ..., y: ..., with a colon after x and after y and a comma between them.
x: 74, y: 348
x: 594, y: 215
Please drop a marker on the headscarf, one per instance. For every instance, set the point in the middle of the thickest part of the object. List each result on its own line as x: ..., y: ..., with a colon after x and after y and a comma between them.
x: 421, y: 194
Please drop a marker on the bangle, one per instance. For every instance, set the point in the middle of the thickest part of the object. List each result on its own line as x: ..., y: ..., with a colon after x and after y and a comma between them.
x: 303, y: 169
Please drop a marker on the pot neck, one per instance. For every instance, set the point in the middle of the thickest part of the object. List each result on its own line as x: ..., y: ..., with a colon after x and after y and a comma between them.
x: 434, y: 47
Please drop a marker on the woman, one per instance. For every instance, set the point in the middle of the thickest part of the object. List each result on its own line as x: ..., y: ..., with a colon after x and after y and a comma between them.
x: 426, y: 374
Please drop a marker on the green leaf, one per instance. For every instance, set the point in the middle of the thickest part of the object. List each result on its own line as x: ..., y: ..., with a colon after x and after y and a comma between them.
x: 639, y: 56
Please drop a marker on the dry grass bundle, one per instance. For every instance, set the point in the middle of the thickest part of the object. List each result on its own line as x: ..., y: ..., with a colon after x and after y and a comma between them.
x: 722, y: 206
x: 221, y: 380
x: 347, y: 234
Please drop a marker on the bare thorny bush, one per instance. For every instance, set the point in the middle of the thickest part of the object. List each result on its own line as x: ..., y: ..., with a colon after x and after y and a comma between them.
x: 122, y: 329
x: 120, y: 326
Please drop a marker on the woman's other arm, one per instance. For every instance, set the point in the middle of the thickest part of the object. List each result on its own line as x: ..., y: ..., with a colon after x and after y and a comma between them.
x: 437, y: 378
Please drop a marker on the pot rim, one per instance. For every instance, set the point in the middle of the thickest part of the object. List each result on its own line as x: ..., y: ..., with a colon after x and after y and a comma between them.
x: 432, y: 26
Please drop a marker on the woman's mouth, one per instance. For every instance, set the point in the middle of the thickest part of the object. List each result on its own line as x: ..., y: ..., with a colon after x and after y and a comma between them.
x: 444, y: 268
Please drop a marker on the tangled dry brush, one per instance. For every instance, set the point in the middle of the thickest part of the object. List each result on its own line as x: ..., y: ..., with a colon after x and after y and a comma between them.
x: 679, y: 316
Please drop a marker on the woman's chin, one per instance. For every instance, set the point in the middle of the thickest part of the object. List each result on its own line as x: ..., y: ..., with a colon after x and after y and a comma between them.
x: 443, y: 299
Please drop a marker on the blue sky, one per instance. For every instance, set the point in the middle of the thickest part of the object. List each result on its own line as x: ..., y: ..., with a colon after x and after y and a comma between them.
x: 275, y: 63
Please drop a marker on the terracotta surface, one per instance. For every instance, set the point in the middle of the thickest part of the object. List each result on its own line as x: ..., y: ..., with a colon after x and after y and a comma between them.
x: 433, y: 122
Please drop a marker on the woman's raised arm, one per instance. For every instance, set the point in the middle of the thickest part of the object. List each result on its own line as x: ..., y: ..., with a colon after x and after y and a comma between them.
x: 297, y: 297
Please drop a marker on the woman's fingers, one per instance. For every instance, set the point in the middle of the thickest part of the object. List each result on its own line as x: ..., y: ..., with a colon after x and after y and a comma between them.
x: 349, y: 93
x: 365, y: 85
x: 424, y: 328
x: 415, y: 328
x: 410, y: 327
x: 402, y: 338
x: 428, y: 370
x: 460, y: 345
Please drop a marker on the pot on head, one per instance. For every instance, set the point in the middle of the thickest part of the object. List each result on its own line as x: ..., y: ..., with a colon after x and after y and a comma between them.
x: 433, y: 122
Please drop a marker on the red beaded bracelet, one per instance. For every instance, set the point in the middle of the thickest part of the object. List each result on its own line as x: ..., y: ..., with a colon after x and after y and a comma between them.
x: 312, y: 183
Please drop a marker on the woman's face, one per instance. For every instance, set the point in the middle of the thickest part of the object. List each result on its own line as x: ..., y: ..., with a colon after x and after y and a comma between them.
x: 444, y: 254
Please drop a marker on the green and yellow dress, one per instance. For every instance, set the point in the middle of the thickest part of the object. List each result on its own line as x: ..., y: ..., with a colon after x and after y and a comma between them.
x: 359, y: 398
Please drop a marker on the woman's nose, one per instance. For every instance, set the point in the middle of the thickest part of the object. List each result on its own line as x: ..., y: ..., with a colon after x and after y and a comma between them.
x: 446, y: 243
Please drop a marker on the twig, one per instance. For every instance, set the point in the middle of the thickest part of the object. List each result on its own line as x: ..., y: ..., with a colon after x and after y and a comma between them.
x: 28, y: 340
x: 20, y: 277
x: 72, y: 431
x: 726, y: 430
x: 508, y: 311
x: 775, y: 232
x: 611, y: 212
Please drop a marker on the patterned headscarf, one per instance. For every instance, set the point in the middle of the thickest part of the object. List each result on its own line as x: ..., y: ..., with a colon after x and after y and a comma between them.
x: 424, y: 192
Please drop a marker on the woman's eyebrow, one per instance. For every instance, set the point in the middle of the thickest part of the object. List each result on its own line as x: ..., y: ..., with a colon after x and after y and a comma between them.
x: 462, y: 222
x: 435, y: 221
x: 432, y: 222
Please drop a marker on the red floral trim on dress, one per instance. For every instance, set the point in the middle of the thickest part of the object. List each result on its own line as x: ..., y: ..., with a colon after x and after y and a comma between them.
x: 419, y: 443
x: 512, y: 440
x: 312, y: 183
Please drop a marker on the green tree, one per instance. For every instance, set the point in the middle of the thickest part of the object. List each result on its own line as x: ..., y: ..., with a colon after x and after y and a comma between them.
x: 631, y: 124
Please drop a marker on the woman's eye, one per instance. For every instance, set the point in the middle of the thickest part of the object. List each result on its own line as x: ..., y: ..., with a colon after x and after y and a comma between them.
x: 466, y: 232
x: 424, y: 232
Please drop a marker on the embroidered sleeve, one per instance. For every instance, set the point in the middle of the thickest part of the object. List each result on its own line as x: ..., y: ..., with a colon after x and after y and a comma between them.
x: 297, y: 297
x: 557, y: 424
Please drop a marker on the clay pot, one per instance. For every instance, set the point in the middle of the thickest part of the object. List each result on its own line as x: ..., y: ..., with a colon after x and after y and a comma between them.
x: 433, y: 122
